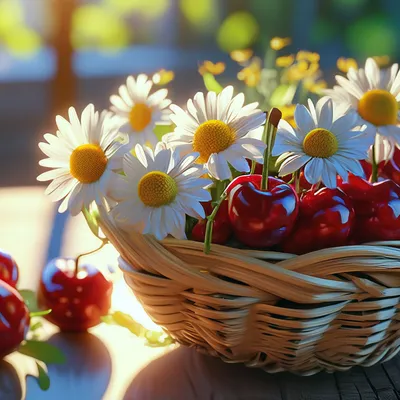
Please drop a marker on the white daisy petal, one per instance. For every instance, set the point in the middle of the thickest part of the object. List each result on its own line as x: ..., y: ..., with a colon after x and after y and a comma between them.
x: 218, y: 167
x: 292, y: 164
x: 303, y: 119
x: 223, y: 100
x: 313, y: 170
x: 372, y: 72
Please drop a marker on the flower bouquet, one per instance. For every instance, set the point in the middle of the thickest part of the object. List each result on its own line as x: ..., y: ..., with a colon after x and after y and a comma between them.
x: 287, y: 268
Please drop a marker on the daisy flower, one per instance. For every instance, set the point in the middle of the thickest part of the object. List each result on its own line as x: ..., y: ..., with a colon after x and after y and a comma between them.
x: 158, y: 189
x: 216, y: 128
x: 138, y: 111
x: 82, y: 155
x: 327, y: 145
x: 373, y: 95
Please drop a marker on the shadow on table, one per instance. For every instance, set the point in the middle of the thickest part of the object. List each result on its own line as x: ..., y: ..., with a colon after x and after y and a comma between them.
x: 85, y: 375
x: 10, y: 387
x: 186, y: 374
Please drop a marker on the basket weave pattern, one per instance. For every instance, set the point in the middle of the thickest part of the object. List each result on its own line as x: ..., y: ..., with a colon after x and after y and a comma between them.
x: 328, y: 310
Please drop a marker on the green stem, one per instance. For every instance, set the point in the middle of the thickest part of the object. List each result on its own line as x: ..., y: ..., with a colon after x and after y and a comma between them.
x: 269, y: 59
x: 374, y: 176
x: 210, y: 223
x: 104, y: 242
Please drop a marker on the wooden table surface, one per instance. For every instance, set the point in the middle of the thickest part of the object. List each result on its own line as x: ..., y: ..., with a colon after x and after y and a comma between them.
x: 110, y: 363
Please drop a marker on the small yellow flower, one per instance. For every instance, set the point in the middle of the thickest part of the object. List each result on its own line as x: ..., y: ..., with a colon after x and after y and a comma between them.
x: 241, y: 56
x: 382, y: 61
x: 285, y: 61
x: 301, y: 70
x: 278, y: 43
x: 163, y: 77
x: 314, y: 86
x: 211, y: 68
x: 251, y: 75
x: 308, y: 56
x: 344, y: 64
x: 288, y: 114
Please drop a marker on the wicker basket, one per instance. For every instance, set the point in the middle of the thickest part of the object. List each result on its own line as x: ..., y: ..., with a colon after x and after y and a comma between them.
x: 327, y: 310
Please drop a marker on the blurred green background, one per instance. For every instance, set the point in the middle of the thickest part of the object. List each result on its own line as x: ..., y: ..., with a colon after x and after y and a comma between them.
x: 57, y: 52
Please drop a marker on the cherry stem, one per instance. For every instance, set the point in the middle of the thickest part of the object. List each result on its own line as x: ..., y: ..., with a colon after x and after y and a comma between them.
x: 316, y: 186
x: 210, y: 223
x: 253, y: 167
x: 104, y: 242
x: 374, y: 175
x: 297, y: 181
x: 268, y: 137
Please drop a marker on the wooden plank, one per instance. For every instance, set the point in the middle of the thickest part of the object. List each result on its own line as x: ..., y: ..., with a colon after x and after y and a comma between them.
x: 354, y: 385
x: 317, y: 387
x: 392, y: 370
x: 381, y: 384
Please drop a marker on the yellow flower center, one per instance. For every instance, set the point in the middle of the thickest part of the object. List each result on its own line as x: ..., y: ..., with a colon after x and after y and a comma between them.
x: 212, y: 137
x: 379, y: 107
x: 87, y: 163
x: 157, y: 189
x: 320, y: 143
x: 140, y: 116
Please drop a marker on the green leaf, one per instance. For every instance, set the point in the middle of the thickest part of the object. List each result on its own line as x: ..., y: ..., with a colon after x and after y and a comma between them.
x: 30, y: 300
x: 282, y: 95
x: 211, y: 83
x: 42, y: 378
x: 160, y: 130
x: 42, y: 351
x: 91, y: 219
x: 39, y: 313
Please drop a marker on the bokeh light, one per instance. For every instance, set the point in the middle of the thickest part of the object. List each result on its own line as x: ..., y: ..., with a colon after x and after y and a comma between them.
x: 22, y: 41
x: 200, y: 14
x: 238, y: 31
x: 97, y: 27
x: 149, y: 8
x: 372, y: 35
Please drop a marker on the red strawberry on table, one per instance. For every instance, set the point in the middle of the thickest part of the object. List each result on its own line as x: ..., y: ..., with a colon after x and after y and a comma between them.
x: 221, y: 225
x: 8, y: 269
x: 261, y: 218
x: 325, y: 220
x: 377, y: 208
x: 78, y: 298
x: 14, y: 319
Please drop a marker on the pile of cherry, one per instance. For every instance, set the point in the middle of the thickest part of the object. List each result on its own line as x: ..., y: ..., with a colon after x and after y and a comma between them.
x: 355, y: 212
x: 77, y: 298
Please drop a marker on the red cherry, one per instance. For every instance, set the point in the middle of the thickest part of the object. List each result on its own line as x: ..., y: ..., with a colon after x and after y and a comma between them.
x: 8, y: 269
x: 377, y: 208
x: 261, y: 218
x: 325, y: 220
x: 14, y: 319
x: 391, y: 169
x: 221, y: 226
x: 78, y: 301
